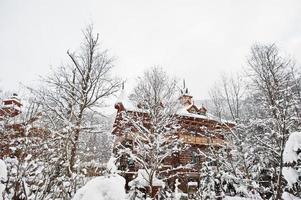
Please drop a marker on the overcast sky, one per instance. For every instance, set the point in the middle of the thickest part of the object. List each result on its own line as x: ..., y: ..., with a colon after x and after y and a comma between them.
x: 196, y: 40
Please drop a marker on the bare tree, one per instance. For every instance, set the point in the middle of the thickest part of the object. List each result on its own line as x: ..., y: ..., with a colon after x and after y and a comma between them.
x: 266, y: 116
x: 72, y: 93
x: 218, y: 101
x: 227, y: 96
x: 233, y: 93
x: 272, y: 78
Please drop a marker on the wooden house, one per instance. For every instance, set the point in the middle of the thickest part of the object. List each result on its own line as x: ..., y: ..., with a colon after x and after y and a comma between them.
x: 10, y: 107
x: 198, y: 129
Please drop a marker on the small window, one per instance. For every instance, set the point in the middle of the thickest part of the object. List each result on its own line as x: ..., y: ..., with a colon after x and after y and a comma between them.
x: 130, y: 161
x: 194, y: 158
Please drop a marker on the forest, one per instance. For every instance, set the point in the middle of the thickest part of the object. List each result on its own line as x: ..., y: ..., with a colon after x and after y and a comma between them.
x: 60, y: 145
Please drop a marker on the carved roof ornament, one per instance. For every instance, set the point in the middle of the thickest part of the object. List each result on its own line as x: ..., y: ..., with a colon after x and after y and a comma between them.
x: 122, y: 85
x: 184, y: 90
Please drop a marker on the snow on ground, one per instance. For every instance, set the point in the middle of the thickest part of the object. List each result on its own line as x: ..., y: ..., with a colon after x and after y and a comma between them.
x: 109, y: 187
x: 241, y: 198
x: 3, y: 177
x: 287, y: 196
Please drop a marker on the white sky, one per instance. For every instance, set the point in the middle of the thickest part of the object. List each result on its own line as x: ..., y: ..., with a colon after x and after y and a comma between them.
x: 196, y: 40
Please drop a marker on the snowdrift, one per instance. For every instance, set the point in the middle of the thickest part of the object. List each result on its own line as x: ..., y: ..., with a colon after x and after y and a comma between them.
x: 109, y: 187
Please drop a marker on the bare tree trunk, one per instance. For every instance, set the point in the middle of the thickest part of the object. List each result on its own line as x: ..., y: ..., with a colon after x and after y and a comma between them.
x: 74, y: 148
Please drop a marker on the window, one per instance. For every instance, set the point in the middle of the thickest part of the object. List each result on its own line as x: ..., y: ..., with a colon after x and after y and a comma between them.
x: 194, y: 158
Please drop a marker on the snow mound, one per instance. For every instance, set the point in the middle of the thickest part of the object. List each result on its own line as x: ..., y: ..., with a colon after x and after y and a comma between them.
x: 240, y: 198
x: 291, y: 148
x: 3, y: 177
x: 102, y: 188
x: 288, y: 196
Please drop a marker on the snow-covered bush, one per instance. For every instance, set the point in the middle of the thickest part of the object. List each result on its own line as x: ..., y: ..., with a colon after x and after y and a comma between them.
x: 292, y: 160
x: 3, y: 177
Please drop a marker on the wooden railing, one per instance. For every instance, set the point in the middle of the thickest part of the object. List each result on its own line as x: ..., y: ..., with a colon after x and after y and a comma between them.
x: 200, y: 140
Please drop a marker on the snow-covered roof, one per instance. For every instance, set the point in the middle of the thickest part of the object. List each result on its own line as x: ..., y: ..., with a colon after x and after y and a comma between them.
x: 12, y: 106
x: 13, y: 99
x: 182, y: 111
x: 128, y: 105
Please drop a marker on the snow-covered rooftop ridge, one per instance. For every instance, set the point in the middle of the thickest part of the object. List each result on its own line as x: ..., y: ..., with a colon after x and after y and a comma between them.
x: 13, y: 106
x: 14, y: 97
x: 183, y: 111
